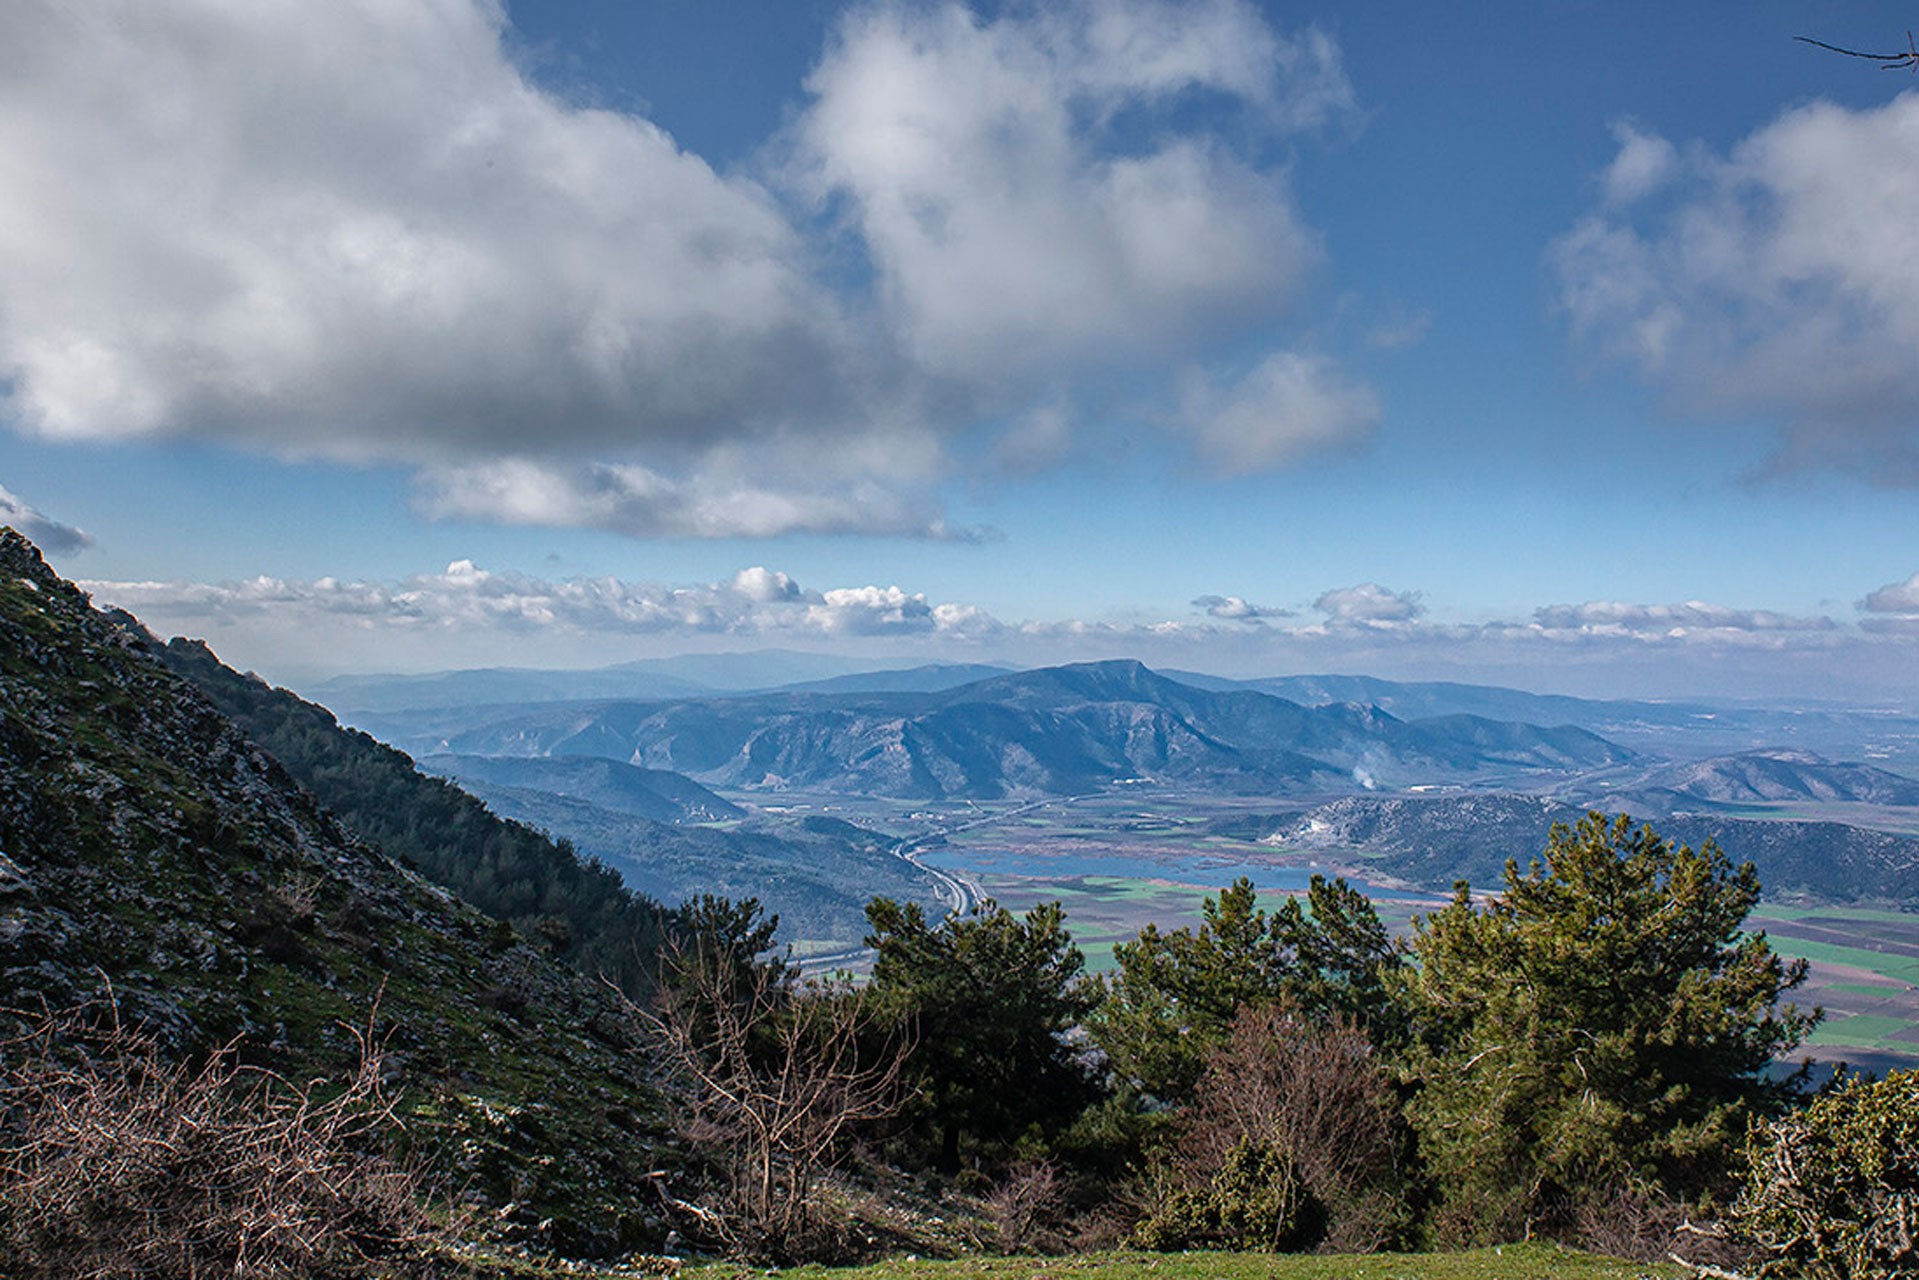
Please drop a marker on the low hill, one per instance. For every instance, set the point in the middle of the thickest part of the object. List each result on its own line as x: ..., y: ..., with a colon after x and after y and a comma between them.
x: 817, y: 880
x: 153, y: 850
x: 1433, y: 842
x: 1780, y: 775
x: 656, y: 794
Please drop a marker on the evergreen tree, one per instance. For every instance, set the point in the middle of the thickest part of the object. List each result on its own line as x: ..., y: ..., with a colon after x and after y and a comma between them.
x: 1603, y: 1026
x: 989, y: 998
x: 1175, y: 994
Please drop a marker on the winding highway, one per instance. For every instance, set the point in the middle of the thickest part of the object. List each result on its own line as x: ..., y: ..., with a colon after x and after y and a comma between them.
x: 961, y: 895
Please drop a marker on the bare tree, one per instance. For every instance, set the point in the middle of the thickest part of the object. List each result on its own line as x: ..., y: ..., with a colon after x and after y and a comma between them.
x: 773, y: 1077
x: 118, y: 1161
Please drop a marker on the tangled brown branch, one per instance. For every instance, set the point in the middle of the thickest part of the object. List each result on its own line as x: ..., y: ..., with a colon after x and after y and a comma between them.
x: 119, y: 1161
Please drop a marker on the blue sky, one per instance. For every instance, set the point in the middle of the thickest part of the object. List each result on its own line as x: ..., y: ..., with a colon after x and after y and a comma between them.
x: 1561, y: 345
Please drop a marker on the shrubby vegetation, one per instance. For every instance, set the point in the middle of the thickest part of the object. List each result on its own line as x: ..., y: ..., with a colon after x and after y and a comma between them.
x: 1833, y: 1191
x: 1584, y: 1056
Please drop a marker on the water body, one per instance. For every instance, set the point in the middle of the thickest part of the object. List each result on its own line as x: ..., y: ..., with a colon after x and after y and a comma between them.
x: 1193, y: 869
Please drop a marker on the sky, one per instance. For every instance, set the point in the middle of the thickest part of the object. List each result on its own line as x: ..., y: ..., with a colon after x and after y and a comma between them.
x: 1561, y: 345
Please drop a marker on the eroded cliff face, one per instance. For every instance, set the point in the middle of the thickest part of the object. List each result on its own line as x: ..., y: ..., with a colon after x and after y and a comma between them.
x: 150, y: 852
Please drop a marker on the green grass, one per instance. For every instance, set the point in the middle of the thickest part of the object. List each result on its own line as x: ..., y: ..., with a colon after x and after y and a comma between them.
x: 1863, y: 1029
x: 1895, y: 967
x: 1513, y: 1262
x: 1777, y: 912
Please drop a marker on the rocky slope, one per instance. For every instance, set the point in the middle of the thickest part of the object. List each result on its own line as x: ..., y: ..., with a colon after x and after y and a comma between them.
x: 149, y: 846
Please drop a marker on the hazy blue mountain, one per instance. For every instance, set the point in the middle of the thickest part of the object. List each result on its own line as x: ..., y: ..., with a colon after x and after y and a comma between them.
x: 757, y: 670
x: 693, y: 675
x: 1058, y: 730
x: 1760, y: 777
x: 494, y: 686
x: 623, y: 788
x: 933, y: 678
x: 1687, y: 729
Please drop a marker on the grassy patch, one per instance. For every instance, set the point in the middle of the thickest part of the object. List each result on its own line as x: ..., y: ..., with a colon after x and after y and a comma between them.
x: 1903, y: 969
x: 1863, y: 1029
x: 1513, y: 1262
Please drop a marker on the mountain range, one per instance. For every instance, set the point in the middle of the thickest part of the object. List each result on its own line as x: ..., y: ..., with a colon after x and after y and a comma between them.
x: 1053, y: 731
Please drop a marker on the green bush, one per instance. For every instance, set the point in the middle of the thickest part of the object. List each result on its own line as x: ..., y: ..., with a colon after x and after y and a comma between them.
x: 1833, y: 1192
x: 1255, y: 1200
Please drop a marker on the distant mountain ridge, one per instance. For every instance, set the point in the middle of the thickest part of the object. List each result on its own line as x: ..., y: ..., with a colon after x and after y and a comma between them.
x: 688, y: 676
x: 1055, y: 730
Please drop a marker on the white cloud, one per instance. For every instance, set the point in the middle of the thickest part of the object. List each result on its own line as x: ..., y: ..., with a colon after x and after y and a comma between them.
x: 1780, y: 280
x: 1894, y: 597
x: 355, y: 229
x: 974, y: 158
x: 50, y: 534
x: 1644, y: 163
x: 1236, y: 609
x: 1671, y: 619
x: 467, y: 615
x: 634, y: 500
x: 1290, y: 405
x: 1370, y: 603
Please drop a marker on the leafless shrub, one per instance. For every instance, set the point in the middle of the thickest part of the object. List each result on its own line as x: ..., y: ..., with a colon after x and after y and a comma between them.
x: 773, y: 1079
x: 1286, y: 1103
x: 117, y: 1162
x: 1647, y: 1225
x: 1024, y: 1207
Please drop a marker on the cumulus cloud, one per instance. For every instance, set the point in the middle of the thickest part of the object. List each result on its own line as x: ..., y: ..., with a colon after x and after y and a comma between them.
x: 634, y: 500
x: 357, y: 229
x: 976, y: 159
x: 1644, y: 163
x: 1894, y: 597
x: 1671, y: 619
x: 1235, y: 609
x: 50, y: 534
x: 1370, y: 603
x: 1289, y: 406
x: 1780, y: 279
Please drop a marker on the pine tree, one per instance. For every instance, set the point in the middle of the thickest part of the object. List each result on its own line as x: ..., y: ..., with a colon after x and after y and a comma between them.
x: 1602, y: 1026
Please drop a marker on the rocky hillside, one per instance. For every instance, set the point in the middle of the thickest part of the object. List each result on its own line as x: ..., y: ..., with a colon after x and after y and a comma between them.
x: 1433, y: 842
x: 1784, y: 776
x: 147, y: 844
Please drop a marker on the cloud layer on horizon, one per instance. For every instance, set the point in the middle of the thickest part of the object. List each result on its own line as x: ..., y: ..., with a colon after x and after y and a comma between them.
x: 412, y: 622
